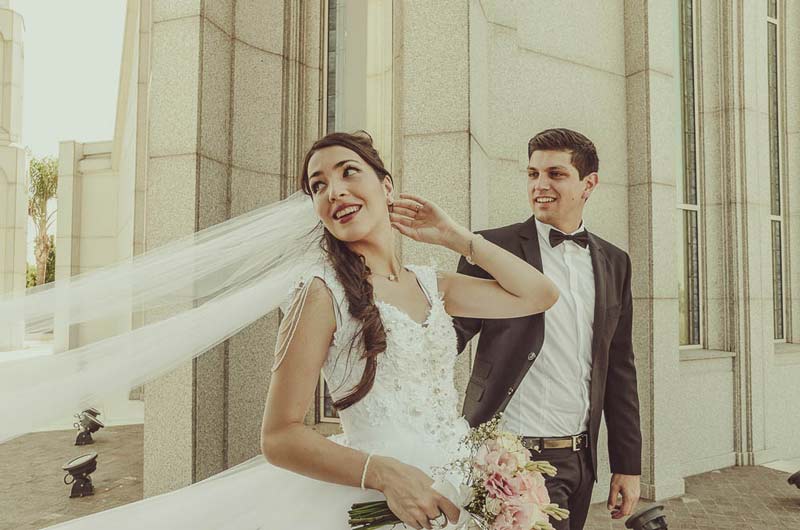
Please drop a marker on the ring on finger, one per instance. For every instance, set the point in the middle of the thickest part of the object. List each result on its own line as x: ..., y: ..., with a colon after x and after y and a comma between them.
x: 439, y: 521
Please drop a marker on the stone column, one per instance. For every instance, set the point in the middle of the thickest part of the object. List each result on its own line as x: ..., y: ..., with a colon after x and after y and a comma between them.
x: 792, y: 150
x: 233, y: 102
x: 747, y: 241
x: 432, y: 134
x: 187, y: 172
x: 652, y: 109
x: 13, y: 170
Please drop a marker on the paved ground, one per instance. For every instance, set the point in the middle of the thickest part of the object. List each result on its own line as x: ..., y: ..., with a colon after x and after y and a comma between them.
x: 33, y: 495
x: 740, y: 498
x: 32, y: 491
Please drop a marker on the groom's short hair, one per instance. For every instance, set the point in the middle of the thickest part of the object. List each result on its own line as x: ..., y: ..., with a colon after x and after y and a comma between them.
x: 583, y: 151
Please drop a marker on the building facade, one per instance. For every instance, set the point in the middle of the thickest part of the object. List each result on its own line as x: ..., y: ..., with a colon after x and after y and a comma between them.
x: 694, y: 108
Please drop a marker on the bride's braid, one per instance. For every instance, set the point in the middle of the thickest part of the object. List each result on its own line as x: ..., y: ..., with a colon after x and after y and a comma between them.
x: 351, y: 269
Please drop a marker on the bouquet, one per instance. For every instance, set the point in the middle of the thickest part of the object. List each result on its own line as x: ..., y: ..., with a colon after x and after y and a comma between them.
x: 504, y: 488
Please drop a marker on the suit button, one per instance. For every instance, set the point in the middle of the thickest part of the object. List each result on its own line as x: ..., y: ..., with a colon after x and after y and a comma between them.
x: 510, y: 390
x: 531, y: 356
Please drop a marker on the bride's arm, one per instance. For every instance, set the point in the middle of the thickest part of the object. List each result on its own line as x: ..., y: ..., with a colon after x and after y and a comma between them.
x: 287, y: 442
x: 518, y: 288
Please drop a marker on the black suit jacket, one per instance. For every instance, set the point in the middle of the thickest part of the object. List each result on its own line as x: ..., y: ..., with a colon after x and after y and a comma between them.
x: 507, y: 348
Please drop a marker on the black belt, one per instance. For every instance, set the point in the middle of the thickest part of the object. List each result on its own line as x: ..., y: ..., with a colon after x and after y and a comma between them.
x: 577, y: 442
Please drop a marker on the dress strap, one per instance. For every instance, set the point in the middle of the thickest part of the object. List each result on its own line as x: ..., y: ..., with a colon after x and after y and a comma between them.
x: 428, y: 280
x: 293, y: 305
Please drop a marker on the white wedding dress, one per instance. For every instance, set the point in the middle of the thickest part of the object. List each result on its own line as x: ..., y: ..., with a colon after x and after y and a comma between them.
x: 411, y: 413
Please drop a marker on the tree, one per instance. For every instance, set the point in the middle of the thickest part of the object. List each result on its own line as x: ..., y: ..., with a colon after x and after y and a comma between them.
x: 30, y: 271
x: 30, y: 276
x: 43, y: 174
x: 51, y: 261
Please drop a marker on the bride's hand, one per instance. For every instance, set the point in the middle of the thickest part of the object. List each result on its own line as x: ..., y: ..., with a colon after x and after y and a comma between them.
x: 424, y: 221
x: 409, y: 494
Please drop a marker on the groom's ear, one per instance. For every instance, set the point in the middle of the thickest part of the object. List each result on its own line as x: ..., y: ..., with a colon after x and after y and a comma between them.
x: 590, y: 182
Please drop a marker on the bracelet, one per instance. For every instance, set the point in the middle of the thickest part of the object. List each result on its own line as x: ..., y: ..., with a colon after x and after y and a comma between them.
x: 364, y: 472
x: 471, y: 256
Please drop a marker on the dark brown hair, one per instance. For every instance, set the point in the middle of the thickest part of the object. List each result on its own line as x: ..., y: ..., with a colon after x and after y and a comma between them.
x: 351, y: 268
x: 582, y: 150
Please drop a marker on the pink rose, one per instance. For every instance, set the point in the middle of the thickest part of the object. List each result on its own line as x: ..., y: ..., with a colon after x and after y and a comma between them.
x: 499, y: 486
x: 503, y: 521
x: 515, y: 517
x: 530, y: 486
x: 491, y: 458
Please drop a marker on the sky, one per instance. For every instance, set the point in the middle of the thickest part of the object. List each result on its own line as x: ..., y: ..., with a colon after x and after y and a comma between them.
x: 73, y: 50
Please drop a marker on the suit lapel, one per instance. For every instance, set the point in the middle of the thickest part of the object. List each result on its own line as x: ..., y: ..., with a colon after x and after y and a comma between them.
x: 600, y: 268
x: 529, y: 239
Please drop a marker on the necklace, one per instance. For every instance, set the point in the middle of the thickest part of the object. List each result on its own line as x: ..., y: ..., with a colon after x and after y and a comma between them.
x: 390, y: 277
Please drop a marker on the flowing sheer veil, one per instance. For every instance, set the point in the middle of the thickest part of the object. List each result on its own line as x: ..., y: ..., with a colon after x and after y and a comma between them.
x: 176, y: 302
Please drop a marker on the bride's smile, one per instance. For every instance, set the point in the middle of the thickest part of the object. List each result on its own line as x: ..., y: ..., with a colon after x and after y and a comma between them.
x: 349, y: 197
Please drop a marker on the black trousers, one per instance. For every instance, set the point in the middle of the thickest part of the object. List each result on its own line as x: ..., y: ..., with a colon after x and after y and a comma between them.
x: 571, y: 488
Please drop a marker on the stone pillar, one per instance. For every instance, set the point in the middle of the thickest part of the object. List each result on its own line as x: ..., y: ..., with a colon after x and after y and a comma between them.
x: 13, y: 170
x: 68, y: 232
x: 432, y: 131
x: 792, y: 150
x: 233, y: 101
x: 276, y: 117
x: 746, y: 209
x: 187, y: 171
x: 652, y: 109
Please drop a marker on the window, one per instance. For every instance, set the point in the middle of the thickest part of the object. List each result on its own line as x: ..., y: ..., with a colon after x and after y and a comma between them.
x: 688, y: 199
x: 775, y: 176
x: 359, y: 71
x: 358, y: 91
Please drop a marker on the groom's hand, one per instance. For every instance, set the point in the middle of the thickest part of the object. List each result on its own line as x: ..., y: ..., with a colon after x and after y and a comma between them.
x: 628, y: 487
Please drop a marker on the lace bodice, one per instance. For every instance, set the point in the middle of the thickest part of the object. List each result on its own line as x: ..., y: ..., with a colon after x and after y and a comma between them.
x: 413, y: 396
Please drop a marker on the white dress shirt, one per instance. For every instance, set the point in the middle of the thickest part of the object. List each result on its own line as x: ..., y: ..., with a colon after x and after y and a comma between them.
x: 553, y: 398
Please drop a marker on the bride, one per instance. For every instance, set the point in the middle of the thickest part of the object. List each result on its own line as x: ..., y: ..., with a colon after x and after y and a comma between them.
x: 381, y: 333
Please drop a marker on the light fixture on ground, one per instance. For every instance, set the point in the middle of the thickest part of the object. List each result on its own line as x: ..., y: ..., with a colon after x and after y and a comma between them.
x: 87, y: 424
x: 79, y: 469
x: 794, y: 480
x: 649, y: 518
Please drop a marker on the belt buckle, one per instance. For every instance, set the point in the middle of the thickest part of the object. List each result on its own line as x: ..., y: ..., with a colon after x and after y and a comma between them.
x: 532, y: 445
x: 575, y: 442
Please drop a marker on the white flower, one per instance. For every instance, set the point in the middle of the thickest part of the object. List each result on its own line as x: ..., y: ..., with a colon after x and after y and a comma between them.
x: 510, y: 443
x: 493, y: 505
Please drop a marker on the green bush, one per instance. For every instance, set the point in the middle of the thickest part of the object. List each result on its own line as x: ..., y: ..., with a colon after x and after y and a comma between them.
x: 30, y: 276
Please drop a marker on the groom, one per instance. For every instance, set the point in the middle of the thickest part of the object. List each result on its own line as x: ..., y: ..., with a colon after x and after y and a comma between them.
x: 555, y: 374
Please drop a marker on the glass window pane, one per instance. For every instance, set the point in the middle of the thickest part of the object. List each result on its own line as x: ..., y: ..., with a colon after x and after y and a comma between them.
x: 689, y: 280
x: 774, y: 121
x: 689, y: 123
x: 328, y: 411
x: 777, y: 279
x: 331, y: 70
x: 360, y: 70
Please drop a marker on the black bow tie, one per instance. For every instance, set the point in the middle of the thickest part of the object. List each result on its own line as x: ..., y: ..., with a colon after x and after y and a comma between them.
x: 581, y: 238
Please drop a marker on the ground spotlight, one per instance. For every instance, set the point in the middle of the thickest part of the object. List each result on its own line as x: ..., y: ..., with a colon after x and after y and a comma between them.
x: 92, y: 411
x: 794, y: 480
x: 79, y: 469
x: 87, y: 424
x: 650, y: 518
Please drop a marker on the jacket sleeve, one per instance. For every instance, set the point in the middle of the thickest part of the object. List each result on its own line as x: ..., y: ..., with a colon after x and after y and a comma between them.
x: 621, y: 407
